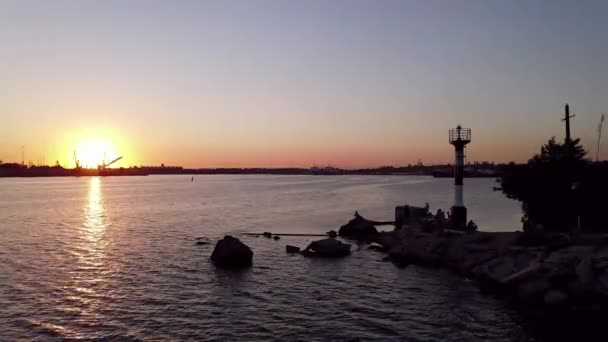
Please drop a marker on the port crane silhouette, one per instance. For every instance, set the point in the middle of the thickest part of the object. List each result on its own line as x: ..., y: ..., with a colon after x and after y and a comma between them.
x: 76, y: 161
x: 105, y: 165
x: 101, y: 166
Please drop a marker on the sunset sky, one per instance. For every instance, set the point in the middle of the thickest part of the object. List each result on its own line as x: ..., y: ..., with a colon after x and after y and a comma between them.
x: 297, y: 83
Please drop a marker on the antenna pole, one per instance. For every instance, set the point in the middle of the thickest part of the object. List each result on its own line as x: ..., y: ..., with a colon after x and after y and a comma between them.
x: 567, y: 118
x: 599, y: 136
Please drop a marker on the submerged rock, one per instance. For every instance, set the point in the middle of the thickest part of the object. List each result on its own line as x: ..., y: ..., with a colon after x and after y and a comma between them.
x: 327, y: 248
x: 398, y: 256
x: 231, y: 252
x: 202, y: 240
x: 376, y: 247
x: 358, y: 228
x: 292, y: 249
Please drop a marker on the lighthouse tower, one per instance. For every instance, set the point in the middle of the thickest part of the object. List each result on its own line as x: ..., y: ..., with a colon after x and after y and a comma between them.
x: 459, y: 137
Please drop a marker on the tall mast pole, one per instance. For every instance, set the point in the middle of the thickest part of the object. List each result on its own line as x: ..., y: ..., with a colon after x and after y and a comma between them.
x: 599, y: 137
x: 567, y: 120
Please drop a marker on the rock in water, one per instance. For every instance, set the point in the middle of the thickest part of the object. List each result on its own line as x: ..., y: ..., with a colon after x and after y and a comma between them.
x: 292, y: 249
x: 328, y: 248
x: 267, y: 234
x: 231, y: 252
x: 358, y: 228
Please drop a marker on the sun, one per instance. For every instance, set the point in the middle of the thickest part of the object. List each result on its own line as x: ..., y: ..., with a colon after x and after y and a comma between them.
x: 91, y: 152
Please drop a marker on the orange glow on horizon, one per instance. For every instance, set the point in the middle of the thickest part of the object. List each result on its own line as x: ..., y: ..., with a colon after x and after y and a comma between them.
x: 92, y: 147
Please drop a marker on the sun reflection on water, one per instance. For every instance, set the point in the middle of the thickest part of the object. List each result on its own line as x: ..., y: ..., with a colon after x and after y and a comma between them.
x: 94, y: 220
x: 90, y: 275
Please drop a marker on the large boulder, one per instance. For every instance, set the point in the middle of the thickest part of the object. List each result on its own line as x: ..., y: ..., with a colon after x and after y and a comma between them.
x: 567, y: 263
x: 420, y: 249
x: 468, y: 251
x: 358, y: 228
x: 328, y: 248
x: 231, y: 252
x: 509, y: 267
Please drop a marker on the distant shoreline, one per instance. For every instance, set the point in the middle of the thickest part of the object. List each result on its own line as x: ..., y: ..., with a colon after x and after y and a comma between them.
x: 439, y: 171
x: 123, y: 173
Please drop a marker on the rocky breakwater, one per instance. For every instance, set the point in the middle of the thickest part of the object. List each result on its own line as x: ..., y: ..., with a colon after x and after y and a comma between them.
x: 543, y: 269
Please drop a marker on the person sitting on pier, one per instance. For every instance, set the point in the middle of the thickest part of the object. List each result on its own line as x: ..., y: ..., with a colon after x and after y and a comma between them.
x: 440, y: 219
x: 471, y: 226
x: 525, y: 223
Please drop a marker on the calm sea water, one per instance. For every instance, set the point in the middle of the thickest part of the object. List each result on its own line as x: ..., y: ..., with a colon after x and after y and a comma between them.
x: 115, y: 258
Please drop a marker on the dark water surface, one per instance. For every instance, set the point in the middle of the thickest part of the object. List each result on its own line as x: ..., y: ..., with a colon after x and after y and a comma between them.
x: 115, y: 258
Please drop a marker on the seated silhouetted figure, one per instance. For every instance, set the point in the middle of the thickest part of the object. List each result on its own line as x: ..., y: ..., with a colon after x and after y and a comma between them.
x: 440, y: 219
x: 525, y: 223
x: 471, y: 226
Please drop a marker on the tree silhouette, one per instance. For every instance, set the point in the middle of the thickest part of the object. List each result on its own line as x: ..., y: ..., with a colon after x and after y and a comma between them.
x: 559, y: 188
